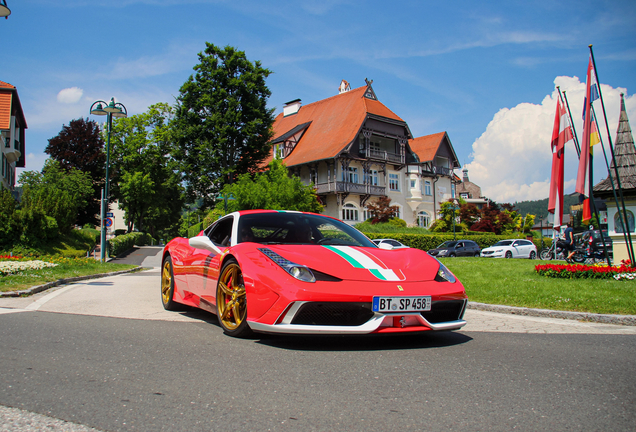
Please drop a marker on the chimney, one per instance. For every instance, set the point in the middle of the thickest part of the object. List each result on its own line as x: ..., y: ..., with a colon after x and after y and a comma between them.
x: 291, y: 107
x: 344, y: 87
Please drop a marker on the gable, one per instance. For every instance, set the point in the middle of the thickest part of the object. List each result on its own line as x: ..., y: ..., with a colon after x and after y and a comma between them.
x: 436, y: 145
x: 330, y: 125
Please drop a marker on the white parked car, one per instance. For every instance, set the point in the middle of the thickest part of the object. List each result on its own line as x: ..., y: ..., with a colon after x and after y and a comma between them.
x: 513, y: 248
x: 385, y: 243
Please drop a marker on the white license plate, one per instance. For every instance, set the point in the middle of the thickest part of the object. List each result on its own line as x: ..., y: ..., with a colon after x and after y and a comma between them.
x: 402, y: 304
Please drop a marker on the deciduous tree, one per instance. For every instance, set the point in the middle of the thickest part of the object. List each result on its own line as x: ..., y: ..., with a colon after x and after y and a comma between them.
x: 80, y: 145
x: 272, y: 189
x: 147, y: 182
x: 222, y: 124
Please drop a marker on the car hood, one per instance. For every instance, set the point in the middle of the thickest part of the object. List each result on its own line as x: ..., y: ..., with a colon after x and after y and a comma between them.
x: 362, y: 263
x: 494, y: 248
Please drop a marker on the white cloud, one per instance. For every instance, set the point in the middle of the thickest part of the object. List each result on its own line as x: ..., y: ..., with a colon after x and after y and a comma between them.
x: 70, y: 95
x: 511, y: 160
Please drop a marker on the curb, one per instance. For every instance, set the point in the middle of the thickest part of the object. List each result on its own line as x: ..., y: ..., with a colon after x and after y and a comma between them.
x: 40, y: 288
x: 629, y: 320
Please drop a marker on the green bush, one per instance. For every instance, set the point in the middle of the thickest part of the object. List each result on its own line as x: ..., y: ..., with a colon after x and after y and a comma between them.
x: 125, y: 242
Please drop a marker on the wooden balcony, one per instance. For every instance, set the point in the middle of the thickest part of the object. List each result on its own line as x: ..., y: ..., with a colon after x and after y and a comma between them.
x: 385, y: 156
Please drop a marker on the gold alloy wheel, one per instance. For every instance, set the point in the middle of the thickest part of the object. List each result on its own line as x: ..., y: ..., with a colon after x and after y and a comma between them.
x: 166, y: 282
x: 230, y: 299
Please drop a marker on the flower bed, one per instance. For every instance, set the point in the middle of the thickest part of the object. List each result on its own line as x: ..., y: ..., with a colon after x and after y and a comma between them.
x: 12, y: 267
x: 581, y: 271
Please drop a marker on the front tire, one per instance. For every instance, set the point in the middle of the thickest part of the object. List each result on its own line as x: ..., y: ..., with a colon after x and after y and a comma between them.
x: 167, y: 285
x: 546, y: 254
x: 508, y: 254
x: 231, y: 301
x: 452, y: 255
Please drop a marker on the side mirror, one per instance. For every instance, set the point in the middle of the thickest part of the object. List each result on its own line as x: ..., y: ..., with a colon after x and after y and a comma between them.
x: 203, y: 242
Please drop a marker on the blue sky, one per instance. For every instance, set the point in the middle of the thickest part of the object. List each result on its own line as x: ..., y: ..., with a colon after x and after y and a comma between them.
x: 484, y: 72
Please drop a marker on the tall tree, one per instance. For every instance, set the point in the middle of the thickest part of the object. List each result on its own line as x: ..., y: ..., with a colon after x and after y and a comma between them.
x: 222, y: 125
x: 146, y: 180
x: 80, y: 145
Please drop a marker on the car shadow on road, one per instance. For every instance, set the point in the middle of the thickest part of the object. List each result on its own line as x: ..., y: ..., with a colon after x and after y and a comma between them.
x: 366, y: 342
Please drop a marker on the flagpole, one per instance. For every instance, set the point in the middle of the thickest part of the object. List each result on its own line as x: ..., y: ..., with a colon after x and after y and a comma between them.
x: 630, y: 247
x: 611, y: 179
x: 576, y: 139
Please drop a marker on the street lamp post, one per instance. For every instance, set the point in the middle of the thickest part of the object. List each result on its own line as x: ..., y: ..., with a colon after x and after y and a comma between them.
x: 110, y: 110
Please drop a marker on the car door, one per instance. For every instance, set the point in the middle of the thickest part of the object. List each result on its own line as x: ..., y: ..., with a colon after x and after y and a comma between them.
x: 204, y: 265
x: 459, y: 249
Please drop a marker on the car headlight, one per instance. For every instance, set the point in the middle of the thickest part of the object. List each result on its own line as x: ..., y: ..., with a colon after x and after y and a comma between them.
x: 298, y: 271
x: 443, y: 252
x: 444, y: 275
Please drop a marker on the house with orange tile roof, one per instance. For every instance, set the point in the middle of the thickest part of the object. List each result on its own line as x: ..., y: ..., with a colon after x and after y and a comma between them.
x: 12, y: 126
x: 354, y: 149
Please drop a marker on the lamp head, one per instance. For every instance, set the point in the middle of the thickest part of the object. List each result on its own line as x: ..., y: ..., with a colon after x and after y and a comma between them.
x: 98, y: 110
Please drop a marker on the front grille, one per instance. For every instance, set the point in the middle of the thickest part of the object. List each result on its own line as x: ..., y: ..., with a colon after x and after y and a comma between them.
x: 334, y: 314
x: 444, y: 310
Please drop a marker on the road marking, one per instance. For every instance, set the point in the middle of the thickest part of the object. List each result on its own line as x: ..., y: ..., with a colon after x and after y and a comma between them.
x: 9, y: 310
x: 40, y: 302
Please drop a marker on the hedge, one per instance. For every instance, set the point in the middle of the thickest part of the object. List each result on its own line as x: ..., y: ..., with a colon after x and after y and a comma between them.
x: 125, y: 242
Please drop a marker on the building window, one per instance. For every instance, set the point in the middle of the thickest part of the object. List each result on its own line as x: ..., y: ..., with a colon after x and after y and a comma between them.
x: 280, y: 151
x: 427, y: 188
x: 618, y: 226
x: 463, y: 195
x: 349, y: 213
x: 413, y: 183
x: 394, y: 182
x: 423, y: 219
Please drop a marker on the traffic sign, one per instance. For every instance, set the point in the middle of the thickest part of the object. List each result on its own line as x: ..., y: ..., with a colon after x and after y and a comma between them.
x: 109, y: 214
x: 108, y: 222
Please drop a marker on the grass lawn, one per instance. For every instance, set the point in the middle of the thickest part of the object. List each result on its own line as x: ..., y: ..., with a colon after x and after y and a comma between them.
x: 515, y: 283
x: 66, y: 268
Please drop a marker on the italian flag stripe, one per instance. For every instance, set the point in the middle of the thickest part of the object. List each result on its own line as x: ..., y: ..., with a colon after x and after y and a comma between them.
x: 356, y: 258
x: 359, y: 259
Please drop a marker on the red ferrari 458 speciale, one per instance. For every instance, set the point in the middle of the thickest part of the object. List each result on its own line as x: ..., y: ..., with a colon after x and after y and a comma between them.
x: 301, y: 273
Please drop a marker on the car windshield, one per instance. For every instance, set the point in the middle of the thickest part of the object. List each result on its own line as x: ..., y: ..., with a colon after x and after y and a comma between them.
x: 298, y: 228
x: 447, y: 244
x: 503, y: 243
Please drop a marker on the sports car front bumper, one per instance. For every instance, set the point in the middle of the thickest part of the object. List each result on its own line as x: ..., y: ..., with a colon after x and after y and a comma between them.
x: 378, y: 323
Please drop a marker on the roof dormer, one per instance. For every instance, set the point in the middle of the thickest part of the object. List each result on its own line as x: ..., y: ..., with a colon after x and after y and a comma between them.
x: 291, y: 107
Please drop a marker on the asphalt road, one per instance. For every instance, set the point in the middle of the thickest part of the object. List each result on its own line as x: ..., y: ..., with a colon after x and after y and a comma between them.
x: 104, y: 354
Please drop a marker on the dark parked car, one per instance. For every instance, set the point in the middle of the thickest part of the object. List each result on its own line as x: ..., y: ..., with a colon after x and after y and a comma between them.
x: 453, y: 248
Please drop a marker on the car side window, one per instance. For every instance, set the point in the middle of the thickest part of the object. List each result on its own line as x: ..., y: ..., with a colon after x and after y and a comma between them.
x: 221, y: 233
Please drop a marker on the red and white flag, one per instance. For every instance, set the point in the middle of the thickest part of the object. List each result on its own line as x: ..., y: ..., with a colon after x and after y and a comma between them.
x: 561, y: 135
x: 590, y: 133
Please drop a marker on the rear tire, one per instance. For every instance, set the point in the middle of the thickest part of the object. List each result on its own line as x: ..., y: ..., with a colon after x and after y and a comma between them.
x: 578, y: 257
x: 477, y: 255
x: 533, y: 255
